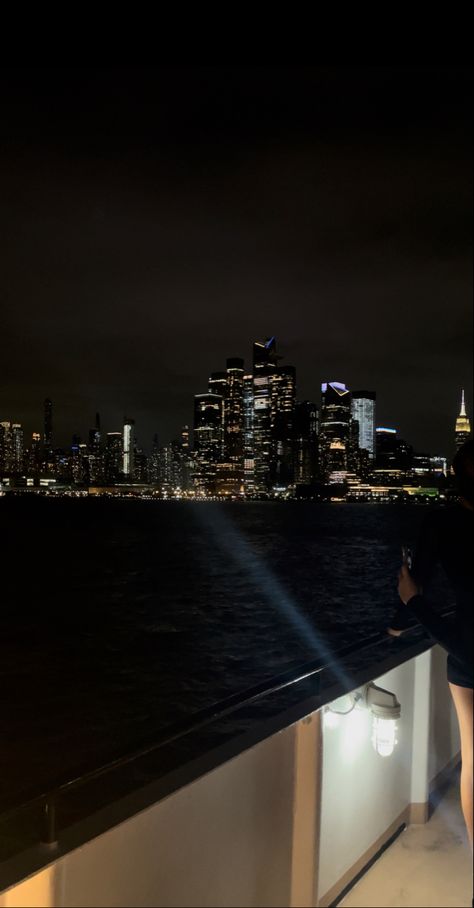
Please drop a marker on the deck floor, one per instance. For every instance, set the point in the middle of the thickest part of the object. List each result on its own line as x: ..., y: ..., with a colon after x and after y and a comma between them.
x: 428, y: 866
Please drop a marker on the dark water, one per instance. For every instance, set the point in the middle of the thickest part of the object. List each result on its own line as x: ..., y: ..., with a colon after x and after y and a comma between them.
x: 121, y: 617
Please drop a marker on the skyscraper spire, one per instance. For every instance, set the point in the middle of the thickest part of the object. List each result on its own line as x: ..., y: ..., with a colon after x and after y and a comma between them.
x: 463, y: 426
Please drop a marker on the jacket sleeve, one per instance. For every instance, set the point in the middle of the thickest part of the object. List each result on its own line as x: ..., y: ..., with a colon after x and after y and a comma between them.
x: 443, y: 630
x: 427, y: 551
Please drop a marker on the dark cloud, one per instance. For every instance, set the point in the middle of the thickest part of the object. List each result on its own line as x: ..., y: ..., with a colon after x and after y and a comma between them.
x: 156, y: 221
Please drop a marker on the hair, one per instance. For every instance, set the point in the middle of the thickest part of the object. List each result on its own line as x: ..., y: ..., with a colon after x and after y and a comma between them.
x: 463, y: 462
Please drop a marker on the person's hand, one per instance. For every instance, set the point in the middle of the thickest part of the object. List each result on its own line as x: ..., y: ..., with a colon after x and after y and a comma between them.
x: 407, y: 588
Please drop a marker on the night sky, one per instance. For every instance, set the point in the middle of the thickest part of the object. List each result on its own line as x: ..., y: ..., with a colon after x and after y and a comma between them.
x: 156, y: 221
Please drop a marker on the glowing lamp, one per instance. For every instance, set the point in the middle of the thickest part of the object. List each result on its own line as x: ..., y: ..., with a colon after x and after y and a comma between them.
x: 383, y: 736
x: 385, y: 709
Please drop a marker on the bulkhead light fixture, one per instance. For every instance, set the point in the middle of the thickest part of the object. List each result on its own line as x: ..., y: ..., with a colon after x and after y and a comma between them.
x: 384, y: 708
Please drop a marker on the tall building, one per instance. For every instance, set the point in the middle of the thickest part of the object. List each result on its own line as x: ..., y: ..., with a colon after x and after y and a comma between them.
x: 249, y: 458
x: 17, y: 448
x: 234, y: 416
x: 155, y: 461
x: 140, y: 465
x: 128, y: 460
x: 463, y: 426
x: 274, y: 389
x: 113, y: 457
x: 48, y: 424
x: 229, y: 467
x: 335, y: 430
x: 34, y: 456
x: 305, y: 443
x: 283, y: 394
x: 6, y: 447
x: 363, y: 410
x: 262, y: 425
x: 208, y: 440
x: 386, y: 446
x: 94, y: 437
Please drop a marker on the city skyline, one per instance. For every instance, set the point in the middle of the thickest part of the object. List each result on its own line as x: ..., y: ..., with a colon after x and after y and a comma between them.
x: 155, y: 217
x: 61, y: 440
x: 251, y: 437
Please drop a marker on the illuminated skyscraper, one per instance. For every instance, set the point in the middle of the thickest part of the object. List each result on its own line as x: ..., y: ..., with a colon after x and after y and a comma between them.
x: 262, y: 424
x: 335, y: 430
x: 283, y: 391
x: 113, y: 457
x: 17, y: 448
x: 234, y: 415
x: 48, y: 424
x: 208, y: 439
x: 6, y: 447
x: 273, y: 411
x: 140, y: 465
x: 94, y: 437
x: 34, y: 456
x: 363, y: 410
x: 249, y: 459
x: 128, y: 448
x: 463, y: 426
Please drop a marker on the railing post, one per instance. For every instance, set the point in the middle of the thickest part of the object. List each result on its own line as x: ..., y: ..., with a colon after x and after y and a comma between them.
x: 49, y: 830
x: 306, y: 811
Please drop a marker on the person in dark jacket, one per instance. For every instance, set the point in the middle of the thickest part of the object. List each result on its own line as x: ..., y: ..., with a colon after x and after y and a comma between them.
x: 447, y: 539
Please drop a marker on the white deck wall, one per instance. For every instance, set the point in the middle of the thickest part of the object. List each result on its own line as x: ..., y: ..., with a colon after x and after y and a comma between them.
x: 363, y: 793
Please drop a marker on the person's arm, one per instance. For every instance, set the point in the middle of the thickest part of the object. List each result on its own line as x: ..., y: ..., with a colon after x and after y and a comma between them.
x: 443, y: 630
x: 427, y: 551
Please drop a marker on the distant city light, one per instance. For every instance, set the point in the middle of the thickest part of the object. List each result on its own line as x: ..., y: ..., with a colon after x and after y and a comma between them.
x: 251, y: 438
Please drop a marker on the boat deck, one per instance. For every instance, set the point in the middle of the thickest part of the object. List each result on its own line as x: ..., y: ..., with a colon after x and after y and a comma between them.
x: 429, y: 865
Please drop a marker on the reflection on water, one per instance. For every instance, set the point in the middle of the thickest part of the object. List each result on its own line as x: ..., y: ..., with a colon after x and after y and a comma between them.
x: 121, y: 617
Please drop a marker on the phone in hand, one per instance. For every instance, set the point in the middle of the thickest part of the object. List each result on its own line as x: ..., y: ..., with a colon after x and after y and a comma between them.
x: 402, y: 621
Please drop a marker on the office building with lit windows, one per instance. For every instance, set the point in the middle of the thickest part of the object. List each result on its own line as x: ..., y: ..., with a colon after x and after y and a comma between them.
x: 283, y: 393
x: 17, y: 448
x: 249, y: 458
x: 6, y: 447
x: 265, y: 364
x: 335, y: 430
x: 234, y: 414
x: 113, y: 457
x: 128, y: 458
x: 363, y: 411
x: 208, y: 440
x: 262, y: 425
x: 274, y: 389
